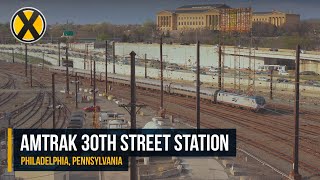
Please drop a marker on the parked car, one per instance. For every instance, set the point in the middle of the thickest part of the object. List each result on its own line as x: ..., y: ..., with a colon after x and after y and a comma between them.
x: 263, y: 79
x: 194, y: 69
x: 309, y: 73
x: 170, y: 68
x: 283, y: 73
x: 92, y: 108
x: 310, y: 82
x: 317, y: 84
x: 282, y: 80
x: 273, y: 49
x: 214, y: 70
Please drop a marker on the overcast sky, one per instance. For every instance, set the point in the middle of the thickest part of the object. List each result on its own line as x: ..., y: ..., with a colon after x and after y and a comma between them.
x: 137, y: 11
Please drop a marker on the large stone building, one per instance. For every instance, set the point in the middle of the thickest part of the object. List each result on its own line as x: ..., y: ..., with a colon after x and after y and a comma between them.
x: 191, y: 17
x: 276, y: 18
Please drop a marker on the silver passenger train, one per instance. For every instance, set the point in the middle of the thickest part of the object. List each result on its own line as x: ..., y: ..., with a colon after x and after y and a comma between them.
x: 254, y: 103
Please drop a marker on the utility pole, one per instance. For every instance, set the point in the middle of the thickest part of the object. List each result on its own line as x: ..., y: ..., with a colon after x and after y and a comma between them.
x: 91, y: 71
x: 106, y: 68
x: 198, y: 85
x: 26, y: 60
x: 53, y: 103
x: 114, y: 57
x: 30, y: 75
x: 295, y: 172
x: 271, y: 84
x: 59, y: 52
x: 145, y: 66
x: 133, y: 165
x: 161, y: 75
x: 67, y: 67
x: 220, y: 68
x: 12, y: 55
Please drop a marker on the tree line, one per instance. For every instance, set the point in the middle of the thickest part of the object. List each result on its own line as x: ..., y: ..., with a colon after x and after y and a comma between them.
x: 307, y: 33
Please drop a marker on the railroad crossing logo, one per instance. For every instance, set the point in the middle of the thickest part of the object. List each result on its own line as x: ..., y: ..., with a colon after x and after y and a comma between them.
x: 28, y: 25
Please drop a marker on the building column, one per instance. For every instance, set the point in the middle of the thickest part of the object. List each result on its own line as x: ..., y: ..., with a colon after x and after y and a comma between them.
x: 207, y: 21
x: 157, y: 21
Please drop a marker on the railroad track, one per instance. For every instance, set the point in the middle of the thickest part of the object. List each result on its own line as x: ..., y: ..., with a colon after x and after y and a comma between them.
x: 150, y: 99
x: 32, y: 107
x: 10, y: 84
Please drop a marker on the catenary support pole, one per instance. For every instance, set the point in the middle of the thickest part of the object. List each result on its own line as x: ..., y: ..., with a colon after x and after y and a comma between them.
x: 30, y: 75
x: 198, y: 85
x: 59, y: 53
x: 220, y: 69
x: 145, y: 66
x: 53, y: 103
x: 295, y: 172
x: 26, y: 60
x: 67, y: 71
x: 91, y: 82
x: 133, y: 165
x: 271, y: 84
x: 106, y: 70
x: 114, y: 57
x: 12, y: 55
x: 161, y: 75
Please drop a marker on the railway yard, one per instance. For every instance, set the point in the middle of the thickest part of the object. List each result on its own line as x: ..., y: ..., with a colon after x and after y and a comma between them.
x: 265, y: 137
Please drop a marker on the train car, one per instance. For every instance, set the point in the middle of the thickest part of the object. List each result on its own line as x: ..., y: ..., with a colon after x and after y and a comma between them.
x: 254, y: 103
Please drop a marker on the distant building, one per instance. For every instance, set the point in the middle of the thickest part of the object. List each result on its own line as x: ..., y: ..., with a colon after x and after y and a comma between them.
x: 190, y: 17
x: 219, y: 17
x: 276, y: 18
